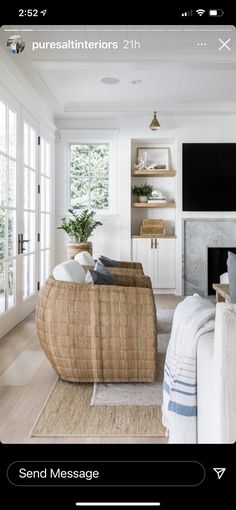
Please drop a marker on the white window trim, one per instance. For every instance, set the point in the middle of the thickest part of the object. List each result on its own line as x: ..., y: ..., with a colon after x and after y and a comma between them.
x: 70, y: 137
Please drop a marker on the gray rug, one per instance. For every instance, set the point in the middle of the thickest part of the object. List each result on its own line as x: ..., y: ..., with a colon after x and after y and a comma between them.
x: 127, y: 394
x: 138, y: 394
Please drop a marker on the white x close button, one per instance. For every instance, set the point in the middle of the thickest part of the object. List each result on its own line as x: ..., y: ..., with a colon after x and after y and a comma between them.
x: 224, y: 45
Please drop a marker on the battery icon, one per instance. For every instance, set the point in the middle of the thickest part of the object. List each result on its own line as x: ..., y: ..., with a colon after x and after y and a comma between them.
x: 216, y: 12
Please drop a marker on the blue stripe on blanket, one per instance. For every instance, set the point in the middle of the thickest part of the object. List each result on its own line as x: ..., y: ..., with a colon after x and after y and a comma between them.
x: 169, y: 374
x: 185, y: 383
x: 168, y: 368
x: 185, y: 392
x: 182, y: 410
x: 166, y: 387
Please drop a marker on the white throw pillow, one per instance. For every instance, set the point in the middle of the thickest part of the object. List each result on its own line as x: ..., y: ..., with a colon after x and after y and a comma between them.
x: 69, y: 271
x: 88, y: 278
x: 224, y: 278
x: 84, y: 258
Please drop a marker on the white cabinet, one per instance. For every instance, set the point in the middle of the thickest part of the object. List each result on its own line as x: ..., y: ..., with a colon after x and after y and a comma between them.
x: 165, y: 264
x: 142, y: 251
x: 157, y: 256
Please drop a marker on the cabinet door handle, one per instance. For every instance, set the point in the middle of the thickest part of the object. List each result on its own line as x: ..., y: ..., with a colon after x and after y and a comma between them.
x: 151, y: 244
x: 156, y: 243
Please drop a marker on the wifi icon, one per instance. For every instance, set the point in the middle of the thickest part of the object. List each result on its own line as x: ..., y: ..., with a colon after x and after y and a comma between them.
x: 200, y: 12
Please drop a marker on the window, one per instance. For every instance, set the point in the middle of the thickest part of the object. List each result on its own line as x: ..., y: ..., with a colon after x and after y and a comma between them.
x: 90, y: 176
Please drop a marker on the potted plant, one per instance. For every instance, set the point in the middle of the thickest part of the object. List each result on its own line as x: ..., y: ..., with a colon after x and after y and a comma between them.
x: 79, y: 227
x: 142, y: 192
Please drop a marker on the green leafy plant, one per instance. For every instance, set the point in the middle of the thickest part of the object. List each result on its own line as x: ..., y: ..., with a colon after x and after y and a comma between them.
x: 142, y: 191
x: 80, y: 226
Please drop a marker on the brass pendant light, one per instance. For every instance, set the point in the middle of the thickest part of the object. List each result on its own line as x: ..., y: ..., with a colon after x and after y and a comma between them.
x: 154, y: 124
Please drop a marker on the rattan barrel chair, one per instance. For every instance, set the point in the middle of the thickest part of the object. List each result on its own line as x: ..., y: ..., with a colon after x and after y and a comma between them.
x: 130, y: 265
x: 119, y: 271
x: 99, y: 333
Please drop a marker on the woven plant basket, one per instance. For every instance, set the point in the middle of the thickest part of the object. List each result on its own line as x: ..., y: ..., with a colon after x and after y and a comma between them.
x: 99, y: 332
x: 74, y: 248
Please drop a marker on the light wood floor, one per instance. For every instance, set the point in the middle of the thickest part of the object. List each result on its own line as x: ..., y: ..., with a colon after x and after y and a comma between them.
x: 21, y: 401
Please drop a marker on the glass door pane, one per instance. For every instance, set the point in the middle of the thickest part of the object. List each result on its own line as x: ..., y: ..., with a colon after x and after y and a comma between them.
x: 8, y: 233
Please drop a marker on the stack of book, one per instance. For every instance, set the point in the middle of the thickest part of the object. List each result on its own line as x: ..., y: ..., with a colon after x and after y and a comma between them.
x: 156, y: 200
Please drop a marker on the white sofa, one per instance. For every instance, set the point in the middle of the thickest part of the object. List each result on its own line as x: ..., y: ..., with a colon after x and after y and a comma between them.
x: 216, y: 379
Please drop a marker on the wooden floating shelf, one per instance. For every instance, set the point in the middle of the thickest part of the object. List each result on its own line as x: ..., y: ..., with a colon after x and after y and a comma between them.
x: 156, y: 205
x: 163, y: 236
x: 155, y: 173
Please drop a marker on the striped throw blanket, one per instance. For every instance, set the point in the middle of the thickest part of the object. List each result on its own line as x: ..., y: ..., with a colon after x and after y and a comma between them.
x: 193, y: 317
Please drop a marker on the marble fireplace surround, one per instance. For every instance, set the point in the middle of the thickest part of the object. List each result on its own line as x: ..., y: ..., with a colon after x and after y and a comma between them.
x: 198, y: 236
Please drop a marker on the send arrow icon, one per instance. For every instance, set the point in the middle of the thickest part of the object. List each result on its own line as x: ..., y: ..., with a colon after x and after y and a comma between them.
x: 219, y: 472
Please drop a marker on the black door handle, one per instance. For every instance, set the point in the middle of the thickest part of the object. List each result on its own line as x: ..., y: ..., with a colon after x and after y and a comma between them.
x: 21, y: 242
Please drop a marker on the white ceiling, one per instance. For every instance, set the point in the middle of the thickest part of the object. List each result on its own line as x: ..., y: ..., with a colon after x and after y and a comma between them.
x: 177, y: 74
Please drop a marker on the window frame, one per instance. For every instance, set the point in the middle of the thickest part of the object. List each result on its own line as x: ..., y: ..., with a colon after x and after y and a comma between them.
x: 89, y: 178
x: 113, y: 187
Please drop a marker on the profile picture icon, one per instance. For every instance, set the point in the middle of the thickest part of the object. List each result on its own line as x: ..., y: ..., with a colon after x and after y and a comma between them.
x: 16, y: 44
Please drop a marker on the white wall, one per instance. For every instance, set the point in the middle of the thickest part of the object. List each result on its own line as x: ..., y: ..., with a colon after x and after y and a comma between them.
x: 18, y: 84
x: 114, y: 237
x: 106, y: 238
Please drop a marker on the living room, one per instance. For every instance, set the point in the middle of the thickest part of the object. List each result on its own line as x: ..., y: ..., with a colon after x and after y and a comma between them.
x: 146, y: 113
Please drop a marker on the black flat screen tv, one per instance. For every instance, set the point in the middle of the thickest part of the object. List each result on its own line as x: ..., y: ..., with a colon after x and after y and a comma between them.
x: 209, y: 177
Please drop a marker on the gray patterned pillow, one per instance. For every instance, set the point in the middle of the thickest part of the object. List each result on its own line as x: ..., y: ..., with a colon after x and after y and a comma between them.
x: 108, y: 262
x: 101, y: 268
x: 96, y: 278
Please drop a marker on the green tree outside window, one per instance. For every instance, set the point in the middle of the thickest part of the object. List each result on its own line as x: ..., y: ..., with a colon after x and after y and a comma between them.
x: 89, y: 176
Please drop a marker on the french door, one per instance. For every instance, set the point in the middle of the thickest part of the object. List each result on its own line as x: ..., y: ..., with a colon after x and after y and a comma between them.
x: 25, y: 214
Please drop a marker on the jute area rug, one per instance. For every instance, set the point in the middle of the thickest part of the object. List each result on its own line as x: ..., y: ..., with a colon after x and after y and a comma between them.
x: 68, y: 411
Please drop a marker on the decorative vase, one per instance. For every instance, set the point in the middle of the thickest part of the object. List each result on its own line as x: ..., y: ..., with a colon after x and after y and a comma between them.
x: 74, y: 248
x: 142, y: 199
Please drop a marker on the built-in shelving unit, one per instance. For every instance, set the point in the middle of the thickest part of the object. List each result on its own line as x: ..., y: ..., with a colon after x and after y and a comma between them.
x: 157, y: 253
x: 161, y: 179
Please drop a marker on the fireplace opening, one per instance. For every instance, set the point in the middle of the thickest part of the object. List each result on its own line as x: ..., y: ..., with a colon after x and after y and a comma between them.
x: 217, y: 265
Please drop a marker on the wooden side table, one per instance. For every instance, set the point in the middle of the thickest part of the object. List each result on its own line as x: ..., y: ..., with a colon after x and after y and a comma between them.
x: 222, y: 291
